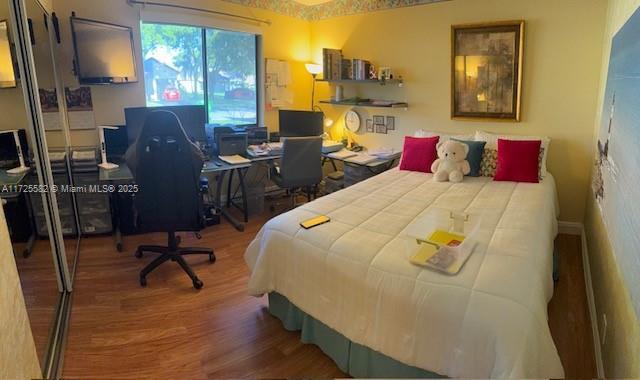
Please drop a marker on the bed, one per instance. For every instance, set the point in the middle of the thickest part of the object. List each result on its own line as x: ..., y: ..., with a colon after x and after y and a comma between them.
x: 353, y: 274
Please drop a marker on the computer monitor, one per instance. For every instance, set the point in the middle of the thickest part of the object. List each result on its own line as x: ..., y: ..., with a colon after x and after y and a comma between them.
x: 116, y: 142
x: 8, y: 149
x: 301, y: 123
x: 192, y: 118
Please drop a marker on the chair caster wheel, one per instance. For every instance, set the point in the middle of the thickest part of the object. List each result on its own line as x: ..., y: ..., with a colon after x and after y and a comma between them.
x: 212, y: 258
x: 26, y: 253
x: 138, y: 254
x: 119, y: 247
x: 197, y: 283
x: 143, y: 281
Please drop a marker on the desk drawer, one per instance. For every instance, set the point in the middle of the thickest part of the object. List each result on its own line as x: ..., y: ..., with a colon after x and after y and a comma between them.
x: 92, y: 203
x: 96, y: 223
x: 68, y: 225
x: 65, y: 205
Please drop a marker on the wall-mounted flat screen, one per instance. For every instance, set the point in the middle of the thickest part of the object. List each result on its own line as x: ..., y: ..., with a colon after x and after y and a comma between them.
x: 104, y: 52
x: 7, y: 72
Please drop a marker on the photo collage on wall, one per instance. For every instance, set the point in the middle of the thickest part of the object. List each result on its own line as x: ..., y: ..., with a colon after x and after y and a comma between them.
x: 380, y: 124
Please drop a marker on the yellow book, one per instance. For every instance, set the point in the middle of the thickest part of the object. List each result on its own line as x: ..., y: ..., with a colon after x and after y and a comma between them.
x: 431, y: 255
x: 423, y: 255
x: 441, y: 237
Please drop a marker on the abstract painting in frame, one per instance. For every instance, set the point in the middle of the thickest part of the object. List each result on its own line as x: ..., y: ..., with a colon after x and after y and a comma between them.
x: 486, y: 70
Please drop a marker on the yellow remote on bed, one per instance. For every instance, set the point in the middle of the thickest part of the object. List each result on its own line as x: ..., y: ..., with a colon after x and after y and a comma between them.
x: 315, y: 221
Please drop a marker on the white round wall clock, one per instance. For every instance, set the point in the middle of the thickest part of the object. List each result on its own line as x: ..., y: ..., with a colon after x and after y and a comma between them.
x: 352, y: 121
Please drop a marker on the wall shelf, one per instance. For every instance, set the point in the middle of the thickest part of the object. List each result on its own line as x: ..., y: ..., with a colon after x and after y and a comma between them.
x: 366, y: 104
x: 399, y: 82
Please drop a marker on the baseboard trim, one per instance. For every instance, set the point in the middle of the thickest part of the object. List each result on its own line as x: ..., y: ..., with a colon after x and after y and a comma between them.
x: 592, y: 304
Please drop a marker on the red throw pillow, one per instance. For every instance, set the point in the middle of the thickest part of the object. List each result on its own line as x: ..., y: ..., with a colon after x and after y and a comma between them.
x: 418, y: 153
x: 517, y: 160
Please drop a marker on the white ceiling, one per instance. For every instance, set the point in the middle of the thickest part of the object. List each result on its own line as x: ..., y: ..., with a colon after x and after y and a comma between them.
x: 312, y: 2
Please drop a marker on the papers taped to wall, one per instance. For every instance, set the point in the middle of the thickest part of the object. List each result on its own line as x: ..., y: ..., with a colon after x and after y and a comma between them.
x: 277, y: 80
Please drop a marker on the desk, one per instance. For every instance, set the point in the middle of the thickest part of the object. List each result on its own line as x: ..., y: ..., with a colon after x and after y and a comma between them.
x: 123, y: 174
x: 7, y: 179
x: 390, y: 160
x: 375, y: 167
x: 9, y: 194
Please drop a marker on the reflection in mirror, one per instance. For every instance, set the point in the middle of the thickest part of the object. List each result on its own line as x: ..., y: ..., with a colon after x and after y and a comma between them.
x: 7, y: 69
x: 22, y: 204
x: 55, y: 127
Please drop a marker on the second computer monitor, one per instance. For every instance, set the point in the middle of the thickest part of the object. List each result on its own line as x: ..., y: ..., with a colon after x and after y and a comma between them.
x: 301, y: 123
x: 192, y: 118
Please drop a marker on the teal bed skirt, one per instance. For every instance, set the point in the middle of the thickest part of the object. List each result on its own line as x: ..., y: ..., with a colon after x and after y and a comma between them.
x: 352, y: 358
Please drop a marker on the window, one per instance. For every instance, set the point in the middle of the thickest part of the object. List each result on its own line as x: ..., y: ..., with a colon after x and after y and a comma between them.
x: 231, y: 77
x: 174, y: 61
x: 172, y: 56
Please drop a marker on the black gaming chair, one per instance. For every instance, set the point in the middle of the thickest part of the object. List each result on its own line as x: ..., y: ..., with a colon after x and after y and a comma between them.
x: 166, y: 167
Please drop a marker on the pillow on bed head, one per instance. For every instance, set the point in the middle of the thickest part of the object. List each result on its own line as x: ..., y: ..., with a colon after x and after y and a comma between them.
x: 476, y: 150
x: 418, y: 153
x: 518, y: 160
x: 492, y: 144
x: 443, y: 136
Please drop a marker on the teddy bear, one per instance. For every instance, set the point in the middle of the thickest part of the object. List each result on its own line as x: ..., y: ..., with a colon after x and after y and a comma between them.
x: 452, y: 164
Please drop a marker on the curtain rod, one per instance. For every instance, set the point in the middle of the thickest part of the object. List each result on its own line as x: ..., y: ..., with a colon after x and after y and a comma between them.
x: 143, y: 2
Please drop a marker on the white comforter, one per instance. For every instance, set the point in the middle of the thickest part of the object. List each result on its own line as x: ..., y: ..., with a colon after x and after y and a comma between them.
x: 353, y: 274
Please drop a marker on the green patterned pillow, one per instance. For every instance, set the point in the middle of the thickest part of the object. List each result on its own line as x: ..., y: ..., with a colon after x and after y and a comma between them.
x: 489, y: 162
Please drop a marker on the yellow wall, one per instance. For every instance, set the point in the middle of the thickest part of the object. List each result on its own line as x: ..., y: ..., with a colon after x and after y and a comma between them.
x: 287, y: 38
x: 563, y: 46
x: 18, y: 357
x: 11, y: 101
x: 621, y: 351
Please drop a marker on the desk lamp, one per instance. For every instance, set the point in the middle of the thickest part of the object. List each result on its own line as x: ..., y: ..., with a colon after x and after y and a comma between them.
x: 22, y: 168
x: 103, y: 149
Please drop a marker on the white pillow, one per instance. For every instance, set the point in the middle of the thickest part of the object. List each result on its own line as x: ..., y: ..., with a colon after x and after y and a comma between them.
x: 492, y: 143
x: 443, y: 136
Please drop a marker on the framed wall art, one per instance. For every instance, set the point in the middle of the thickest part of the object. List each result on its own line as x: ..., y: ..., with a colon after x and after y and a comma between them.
x: 486, y: 70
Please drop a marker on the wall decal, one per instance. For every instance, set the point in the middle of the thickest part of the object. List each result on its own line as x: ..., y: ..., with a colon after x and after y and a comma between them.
x: 616, y: 181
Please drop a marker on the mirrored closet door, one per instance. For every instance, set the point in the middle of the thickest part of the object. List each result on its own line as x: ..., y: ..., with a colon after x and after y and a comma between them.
x: 33, y: 209
x: 44, y: 40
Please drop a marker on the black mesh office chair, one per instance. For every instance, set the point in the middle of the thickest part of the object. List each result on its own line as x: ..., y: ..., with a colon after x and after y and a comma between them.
x: 166, y: 167
x: 300, y: 166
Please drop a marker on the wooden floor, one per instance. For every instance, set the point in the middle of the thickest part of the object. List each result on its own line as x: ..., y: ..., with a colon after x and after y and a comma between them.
x: 170, y: 330
x: 569, y: 313
x: 40, y: 287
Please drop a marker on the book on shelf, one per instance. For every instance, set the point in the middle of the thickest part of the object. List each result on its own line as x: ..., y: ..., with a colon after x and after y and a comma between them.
x: 347, y: 70
x: 332, y: 63
x: 361, y: 69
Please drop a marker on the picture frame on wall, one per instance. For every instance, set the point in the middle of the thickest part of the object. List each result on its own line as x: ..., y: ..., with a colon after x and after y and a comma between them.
x: 486, y: 70
x: 391, y: 123
x: 378, y: 119
x: 369, y: 126
x: 381, y: 128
